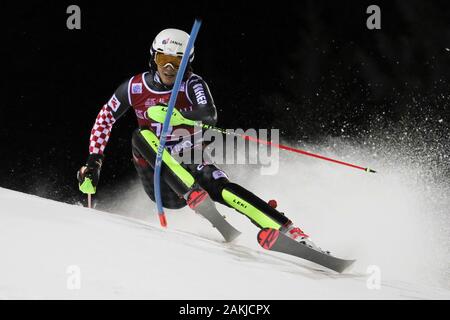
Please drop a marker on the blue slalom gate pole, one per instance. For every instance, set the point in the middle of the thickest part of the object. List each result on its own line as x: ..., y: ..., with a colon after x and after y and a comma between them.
x: 163, y: 137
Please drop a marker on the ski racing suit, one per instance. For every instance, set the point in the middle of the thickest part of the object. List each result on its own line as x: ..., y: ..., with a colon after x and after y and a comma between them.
x: 179, y: 181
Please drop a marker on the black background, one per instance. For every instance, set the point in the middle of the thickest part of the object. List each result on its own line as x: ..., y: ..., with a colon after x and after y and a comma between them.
x: 310, y: 68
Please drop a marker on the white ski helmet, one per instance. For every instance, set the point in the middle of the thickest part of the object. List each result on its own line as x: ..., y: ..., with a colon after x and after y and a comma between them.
x: 171, y: 42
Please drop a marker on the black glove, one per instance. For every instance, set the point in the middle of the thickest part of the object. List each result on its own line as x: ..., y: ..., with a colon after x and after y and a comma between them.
x: 91, y: 169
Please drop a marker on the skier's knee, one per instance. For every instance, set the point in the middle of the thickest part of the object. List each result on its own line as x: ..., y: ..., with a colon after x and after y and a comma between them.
x: 212, y: 179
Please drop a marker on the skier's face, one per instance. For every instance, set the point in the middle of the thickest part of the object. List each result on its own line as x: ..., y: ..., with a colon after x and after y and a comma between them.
x: 167, y: 74
x: 167, y: 67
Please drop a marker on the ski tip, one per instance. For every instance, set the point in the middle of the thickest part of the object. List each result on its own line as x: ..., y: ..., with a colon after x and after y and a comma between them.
x: 370, y: 170
x: 162, y: 220
x: 267, y: 237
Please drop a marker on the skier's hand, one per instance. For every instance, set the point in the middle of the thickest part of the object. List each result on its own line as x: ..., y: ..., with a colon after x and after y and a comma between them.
x: 90, y: 171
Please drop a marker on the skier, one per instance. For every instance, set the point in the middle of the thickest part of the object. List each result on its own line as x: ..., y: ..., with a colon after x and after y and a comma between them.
x: 181, y: 184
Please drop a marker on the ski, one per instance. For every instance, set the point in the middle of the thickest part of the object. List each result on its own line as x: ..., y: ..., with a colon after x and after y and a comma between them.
x: 209, y: 211
x: 272, y: 239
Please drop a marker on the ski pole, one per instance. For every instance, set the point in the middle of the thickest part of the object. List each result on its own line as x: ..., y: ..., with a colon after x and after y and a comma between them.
x: 166, y: 121
x: 158, y: 113
x: 287, y: 148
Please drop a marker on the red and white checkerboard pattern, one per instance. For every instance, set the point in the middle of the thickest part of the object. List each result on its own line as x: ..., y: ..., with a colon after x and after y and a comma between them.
x: 101, y: 131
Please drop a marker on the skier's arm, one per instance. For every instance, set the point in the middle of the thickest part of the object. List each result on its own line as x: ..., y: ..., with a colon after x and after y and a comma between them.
x: 203, y: 104
x: 108, y: 115
x: 101, y: 131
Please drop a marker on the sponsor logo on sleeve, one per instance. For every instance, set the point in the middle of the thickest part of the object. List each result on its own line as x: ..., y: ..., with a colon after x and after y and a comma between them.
x: 200, y: 94
x: 136, y: 88
x: 114, y: 103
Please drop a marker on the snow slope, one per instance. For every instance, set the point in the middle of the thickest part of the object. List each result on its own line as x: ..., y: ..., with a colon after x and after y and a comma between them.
x: 124, y: 258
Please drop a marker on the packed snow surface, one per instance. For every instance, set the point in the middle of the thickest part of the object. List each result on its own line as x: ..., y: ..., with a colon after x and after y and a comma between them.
x: 52, y: 250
